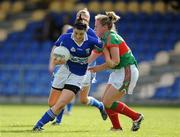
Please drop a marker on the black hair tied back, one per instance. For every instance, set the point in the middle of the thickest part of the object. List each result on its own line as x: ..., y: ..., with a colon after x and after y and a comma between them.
x: 80, y: 24
x: 80, y: 18
x: 110, y: 18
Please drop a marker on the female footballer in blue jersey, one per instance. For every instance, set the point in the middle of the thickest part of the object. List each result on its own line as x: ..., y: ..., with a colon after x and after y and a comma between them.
x: 72, y: 72
x: 84, y: 98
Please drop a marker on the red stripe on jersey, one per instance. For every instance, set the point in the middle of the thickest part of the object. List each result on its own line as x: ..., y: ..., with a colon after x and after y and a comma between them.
x: 123, y: 48
x: 95, y: 51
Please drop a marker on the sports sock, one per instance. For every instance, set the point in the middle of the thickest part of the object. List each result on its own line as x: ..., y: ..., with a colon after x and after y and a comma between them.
x: 114, y: 118
x: 48, y: 116
x: 94, y: 102
x: 59, y: 116
x: 122, y: 108
x: 69, y: 107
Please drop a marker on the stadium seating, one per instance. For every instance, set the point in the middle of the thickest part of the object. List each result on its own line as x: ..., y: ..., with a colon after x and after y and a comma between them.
x: 169, y: 92
x: 146, y: 30
x: 120, y: 6
x: 146, y: 7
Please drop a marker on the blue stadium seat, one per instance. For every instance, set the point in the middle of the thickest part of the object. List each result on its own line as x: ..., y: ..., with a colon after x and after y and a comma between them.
x: 175, y: 89
x: 12, y: 89
x: 2, y: 89
x: 31, y: 76
x: 162, y: 93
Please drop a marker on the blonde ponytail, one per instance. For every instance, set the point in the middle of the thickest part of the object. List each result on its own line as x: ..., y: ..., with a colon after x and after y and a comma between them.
x: 112, y: 16
x: 109, y: 19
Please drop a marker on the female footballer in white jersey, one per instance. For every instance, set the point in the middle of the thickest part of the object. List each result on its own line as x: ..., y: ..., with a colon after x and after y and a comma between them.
x: 124, y: 74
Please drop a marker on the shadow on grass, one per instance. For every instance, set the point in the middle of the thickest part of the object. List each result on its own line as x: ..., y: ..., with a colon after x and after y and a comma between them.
x: 16, y: 131
x: 30, y: 131
x: 16, y: 125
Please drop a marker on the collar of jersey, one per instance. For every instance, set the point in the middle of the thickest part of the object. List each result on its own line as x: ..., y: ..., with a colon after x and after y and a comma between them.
x: 106, y: 34
x: 85, y: 38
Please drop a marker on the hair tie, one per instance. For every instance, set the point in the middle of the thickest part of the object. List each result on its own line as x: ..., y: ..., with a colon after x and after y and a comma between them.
x: 110, y: 18
x: 80, y: 18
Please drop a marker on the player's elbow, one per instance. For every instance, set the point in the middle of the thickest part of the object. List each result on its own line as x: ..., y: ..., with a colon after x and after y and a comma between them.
x: 113, y: 63
x: 116, y: 62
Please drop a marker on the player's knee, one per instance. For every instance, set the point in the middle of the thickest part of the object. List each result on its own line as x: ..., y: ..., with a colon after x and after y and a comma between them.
x: 84, y: 100
x: 60, y: 105
x: 51, y: 103
x: 107, y: 103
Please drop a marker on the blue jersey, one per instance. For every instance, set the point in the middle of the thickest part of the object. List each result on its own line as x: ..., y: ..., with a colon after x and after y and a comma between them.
x: 90, y: 32
x: 79, y: 54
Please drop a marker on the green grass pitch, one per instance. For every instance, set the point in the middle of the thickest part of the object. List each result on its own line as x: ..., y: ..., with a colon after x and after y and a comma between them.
x: 18, y: 120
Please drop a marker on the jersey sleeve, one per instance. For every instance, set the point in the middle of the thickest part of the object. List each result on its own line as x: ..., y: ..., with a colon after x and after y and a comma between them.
x: 92, y: 33
x: 113, y: 41
x: 59, y: 40
x: 70, y: 30
x: 98, y: 45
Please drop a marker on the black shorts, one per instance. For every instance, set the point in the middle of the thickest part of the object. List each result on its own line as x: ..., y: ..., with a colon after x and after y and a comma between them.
x: 73, y: 88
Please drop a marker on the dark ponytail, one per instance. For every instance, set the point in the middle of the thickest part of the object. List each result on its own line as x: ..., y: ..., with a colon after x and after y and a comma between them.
x: 80, y: 23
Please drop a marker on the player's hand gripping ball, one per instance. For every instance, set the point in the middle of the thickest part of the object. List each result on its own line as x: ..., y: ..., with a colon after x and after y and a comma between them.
x: 61, y: 53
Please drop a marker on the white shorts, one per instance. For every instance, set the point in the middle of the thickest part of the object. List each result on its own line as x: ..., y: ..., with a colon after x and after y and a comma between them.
x: 64, y: 76
x: 88, y: 79
x: 116, y: 78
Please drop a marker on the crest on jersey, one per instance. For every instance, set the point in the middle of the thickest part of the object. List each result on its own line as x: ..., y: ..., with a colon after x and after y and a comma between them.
x: 88, y: 51
x: 73, y: 49
x: 99, y: 40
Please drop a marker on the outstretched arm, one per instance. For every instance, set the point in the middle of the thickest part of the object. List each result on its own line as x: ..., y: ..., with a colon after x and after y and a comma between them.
x: 98, y: 68
x: 111, y: 57
x: 94, y: 55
